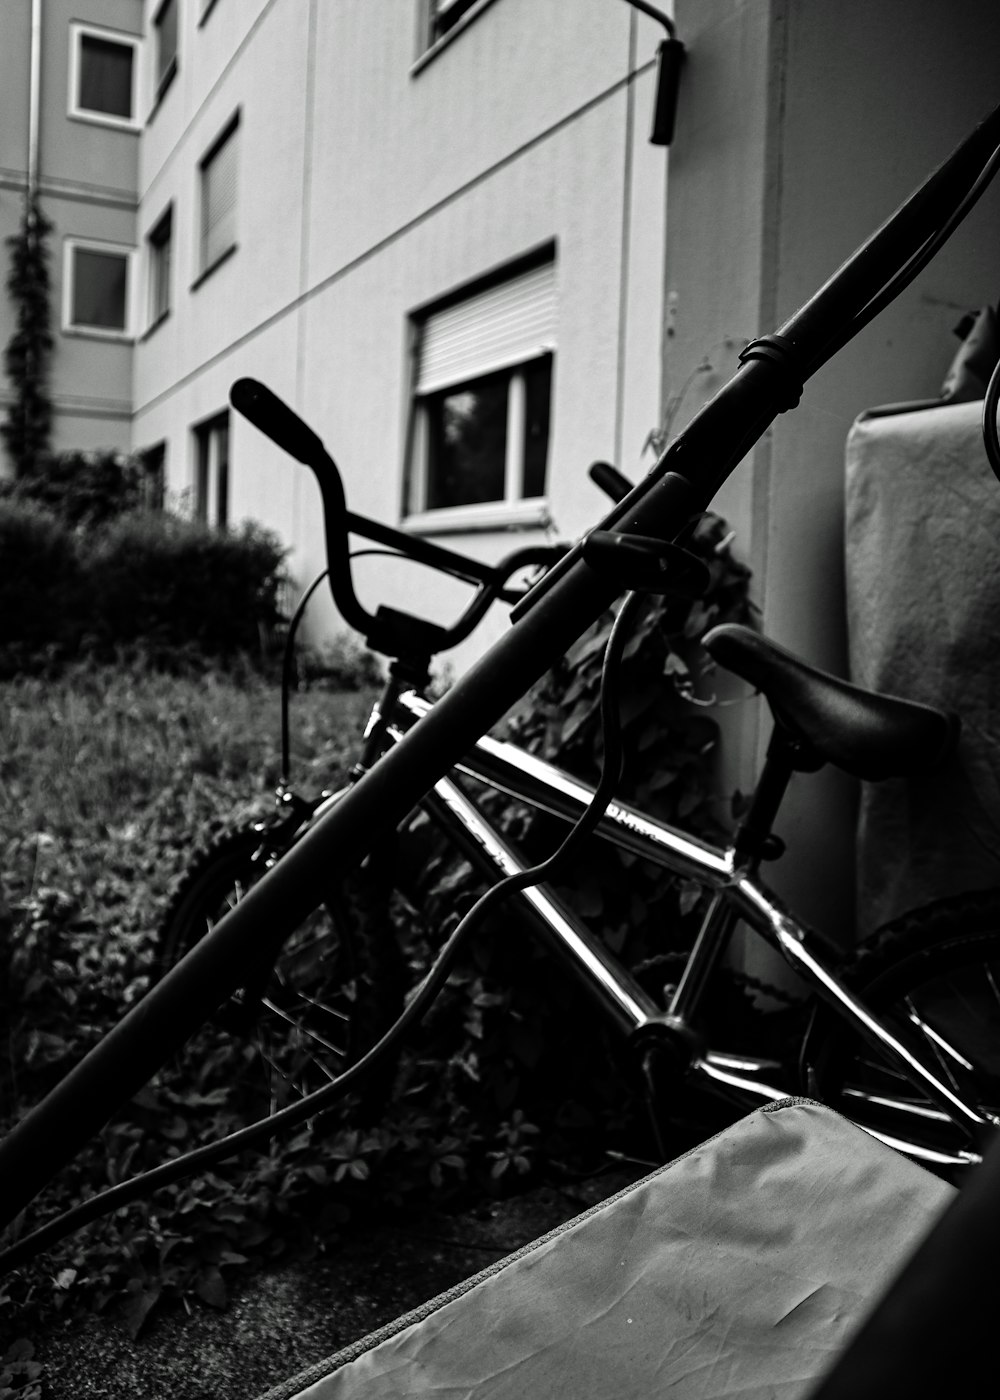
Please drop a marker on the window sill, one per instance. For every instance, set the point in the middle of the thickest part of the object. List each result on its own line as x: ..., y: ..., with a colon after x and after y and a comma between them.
x: 130, y: 124
x: 98, y: 333
x: 207, y: 272
x: 491, y: 515
x: 154, y: 326
x: 459, y: 27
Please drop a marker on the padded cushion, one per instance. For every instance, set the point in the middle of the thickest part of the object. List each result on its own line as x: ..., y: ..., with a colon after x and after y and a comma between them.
x: 866, y: 734
x: 738, y: 1270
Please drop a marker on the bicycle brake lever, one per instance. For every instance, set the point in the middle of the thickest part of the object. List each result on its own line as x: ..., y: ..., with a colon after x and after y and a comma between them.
x: 644, y: 564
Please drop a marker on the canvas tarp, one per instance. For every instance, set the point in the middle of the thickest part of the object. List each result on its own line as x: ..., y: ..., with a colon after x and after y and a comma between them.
x: 923, y: 608
x: 738, y: 1270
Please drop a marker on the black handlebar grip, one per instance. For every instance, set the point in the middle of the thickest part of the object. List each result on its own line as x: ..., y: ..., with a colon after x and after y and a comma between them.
x: 610, y: 480
x: 282, y: 424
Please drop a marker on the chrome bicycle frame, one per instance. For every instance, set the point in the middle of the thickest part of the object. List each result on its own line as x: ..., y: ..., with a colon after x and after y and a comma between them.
x: 737, y: 894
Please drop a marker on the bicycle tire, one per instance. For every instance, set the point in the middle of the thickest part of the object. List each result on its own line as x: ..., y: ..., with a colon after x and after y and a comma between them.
x: 934, y: 977
x: 335, y: 986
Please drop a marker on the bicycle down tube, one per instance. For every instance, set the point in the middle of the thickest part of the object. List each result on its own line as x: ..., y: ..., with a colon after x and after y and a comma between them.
x: 573, y: 595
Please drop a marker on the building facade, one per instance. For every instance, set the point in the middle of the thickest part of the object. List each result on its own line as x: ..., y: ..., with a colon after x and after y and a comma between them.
x: 72, y: 92
x: 437, y: 232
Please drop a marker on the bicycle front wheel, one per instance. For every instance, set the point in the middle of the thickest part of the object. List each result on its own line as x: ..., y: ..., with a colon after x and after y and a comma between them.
x: 333, y: 989
x: 934, y: 978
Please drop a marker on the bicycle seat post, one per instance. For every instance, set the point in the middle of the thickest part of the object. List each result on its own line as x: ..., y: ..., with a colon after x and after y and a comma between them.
x: 755, y: 840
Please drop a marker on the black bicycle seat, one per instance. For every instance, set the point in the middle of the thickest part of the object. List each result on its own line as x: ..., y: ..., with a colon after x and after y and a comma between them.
x: 868, y: 735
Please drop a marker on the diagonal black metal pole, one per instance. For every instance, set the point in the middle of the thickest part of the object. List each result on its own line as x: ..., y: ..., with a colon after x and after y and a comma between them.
x: 571, y: 598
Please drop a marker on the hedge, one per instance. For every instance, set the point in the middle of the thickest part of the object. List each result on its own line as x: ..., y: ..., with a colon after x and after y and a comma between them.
x: 143, y: 581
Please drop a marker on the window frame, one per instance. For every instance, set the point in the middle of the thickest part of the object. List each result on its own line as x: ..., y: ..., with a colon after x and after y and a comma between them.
x: 79, y: 30
x: 514, y: 510
x: 154, y: 246
x: 153, y: 466
x: 162, y: 80
x: 430, y: 44
x: 228, y: 133
x: 210, y: 487
x: 72, y: 244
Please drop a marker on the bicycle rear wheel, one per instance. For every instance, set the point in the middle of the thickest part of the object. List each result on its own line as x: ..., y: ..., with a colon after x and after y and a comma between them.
x: 934, y: 977
x: 335, y: 986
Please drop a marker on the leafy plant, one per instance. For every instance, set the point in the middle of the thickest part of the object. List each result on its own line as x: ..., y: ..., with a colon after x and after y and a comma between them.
x: 151, y: 583
x: 27, y: 427
x: 105, y: 775
x: 85, y: 489
x: 20, y: 1373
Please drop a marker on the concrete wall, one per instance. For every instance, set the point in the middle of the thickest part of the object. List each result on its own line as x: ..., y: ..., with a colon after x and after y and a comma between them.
x: 802, y: 125
x: 371, y: 184
x: 88, y: 189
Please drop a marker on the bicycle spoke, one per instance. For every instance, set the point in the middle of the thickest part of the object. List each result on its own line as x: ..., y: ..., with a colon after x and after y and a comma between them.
x: 991, y: 983
x: 935, y: 1042
x: 283, y: 1074
x: 333, y: 1011
x: 938, y: 1040
x: 303, y: 1030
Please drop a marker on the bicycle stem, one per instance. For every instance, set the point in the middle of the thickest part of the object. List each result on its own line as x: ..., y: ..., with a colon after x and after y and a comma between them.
x: 570, y: 599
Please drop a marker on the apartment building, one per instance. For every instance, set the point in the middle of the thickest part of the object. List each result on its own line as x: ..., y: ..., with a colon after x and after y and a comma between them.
x: 73, y: 85
x: 436, y: 229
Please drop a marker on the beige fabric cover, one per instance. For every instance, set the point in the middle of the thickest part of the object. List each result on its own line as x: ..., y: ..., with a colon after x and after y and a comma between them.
x: 923, y: 607
x: 738, y: 1270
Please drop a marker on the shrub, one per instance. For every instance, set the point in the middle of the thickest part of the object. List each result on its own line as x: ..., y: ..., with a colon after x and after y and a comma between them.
x: 172, y: 585
x: 86, y: 489
x: 170, y: 588
x: 344, y: 663
x: 44, y: 587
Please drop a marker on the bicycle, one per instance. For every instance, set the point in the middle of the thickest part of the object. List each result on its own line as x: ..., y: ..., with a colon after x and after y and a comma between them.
x: 819, y: 719
x: 950, y: 1107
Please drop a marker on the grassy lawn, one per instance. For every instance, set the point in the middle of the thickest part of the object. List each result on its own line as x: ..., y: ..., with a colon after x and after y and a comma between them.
x: 109, y: 779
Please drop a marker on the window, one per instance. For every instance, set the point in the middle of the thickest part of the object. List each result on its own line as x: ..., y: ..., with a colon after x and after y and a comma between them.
x: 96, y: 289
x: 103, y: 72
x: 218, y: 199
x: 443, y: 15
x: 160, y: 244
x: 164, y: 45
x: 482, y: 405
x: 211, y: 483
x: 152, y: 480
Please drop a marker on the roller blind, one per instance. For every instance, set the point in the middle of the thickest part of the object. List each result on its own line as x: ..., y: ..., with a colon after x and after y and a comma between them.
x: 492, y: 330
x: 218, y: 201
x: 105, y: 82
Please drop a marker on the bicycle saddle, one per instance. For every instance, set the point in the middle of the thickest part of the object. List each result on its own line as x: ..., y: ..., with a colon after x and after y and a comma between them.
x: 868, y: 735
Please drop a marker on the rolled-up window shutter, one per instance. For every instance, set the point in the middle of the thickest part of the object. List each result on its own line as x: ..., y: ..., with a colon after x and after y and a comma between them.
x: 491, y: 330
x: 218, y: 194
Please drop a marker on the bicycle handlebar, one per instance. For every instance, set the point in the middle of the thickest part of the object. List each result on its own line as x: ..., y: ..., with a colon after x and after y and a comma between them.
x: 610, y: 480
x: 389, y: 631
